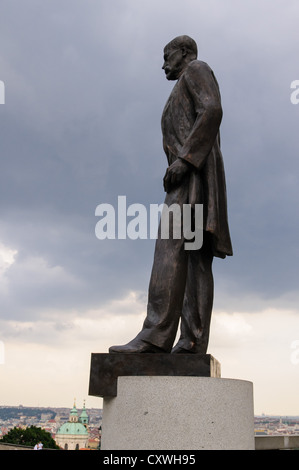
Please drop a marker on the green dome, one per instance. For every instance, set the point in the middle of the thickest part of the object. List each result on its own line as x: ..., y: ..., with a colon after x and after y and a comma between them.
x: 76, y: 429
x: 75, y: 425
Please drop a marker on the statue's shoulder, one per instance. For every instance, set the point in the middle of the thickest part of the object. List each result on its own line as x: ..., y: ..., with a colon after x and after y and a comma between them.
x: 197, y: 67
x: 197, y: 73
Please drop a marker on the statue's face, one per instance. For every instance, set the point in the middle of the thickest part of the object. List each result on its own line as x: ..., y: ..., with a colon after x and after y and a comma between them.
x: 173, y: 63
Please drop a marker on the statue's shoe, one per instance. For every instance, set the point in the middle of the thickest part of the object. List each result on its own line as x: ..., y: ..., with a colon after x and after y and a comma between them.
x: 136, y: 346
x: 192, y: 349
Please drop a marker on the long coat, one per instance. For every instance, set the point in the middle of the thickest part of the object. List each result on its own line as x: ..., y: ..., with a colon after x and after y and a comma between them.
x: 190, y: 127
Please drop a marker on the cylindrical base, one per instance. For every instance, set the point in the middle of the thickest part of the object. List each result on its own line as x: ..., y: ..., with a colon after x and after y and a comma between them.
x: 179, y: 413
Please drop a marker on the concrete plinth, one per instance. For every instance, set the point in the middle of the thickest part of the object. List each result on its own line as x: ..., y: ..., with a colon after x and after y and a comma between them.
x: 179, y: 413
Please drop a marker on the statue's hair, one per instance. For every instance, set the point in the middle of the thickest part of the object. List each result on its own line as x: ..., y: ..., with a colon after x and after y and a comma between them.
x: 184, y: 41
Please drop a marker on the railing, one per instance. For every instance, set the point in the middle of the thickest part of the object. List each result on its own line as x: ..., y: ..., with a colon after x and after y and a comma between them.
x: 261, y: 443
x: 277, y: 442
x: 8, y: 446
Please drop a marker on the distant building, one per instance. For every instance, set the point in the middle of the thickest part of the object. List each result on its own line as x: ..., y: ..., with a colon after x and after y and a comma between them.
x: 74, y: 435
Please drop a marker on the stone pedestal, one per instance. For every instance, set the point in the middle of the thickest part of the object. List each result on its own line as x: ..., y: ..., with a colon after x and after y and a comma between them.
x: 106, y: 368
x: 171, y: 402
x: 179, y: 413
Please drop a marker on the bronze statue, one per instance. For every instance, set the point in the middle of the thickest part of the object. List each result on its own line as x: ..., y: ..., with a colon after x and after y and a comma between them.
x: 181, y: 284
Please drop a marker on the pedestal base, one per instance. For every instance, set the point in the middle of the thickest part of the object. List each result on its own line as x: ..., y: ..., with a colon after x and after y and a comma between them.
x: 179, y: 413
x: 106, y: 368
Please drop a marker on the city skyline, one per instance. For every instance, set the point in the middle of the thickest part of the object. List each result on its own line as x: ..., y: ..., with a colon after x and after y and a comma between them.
x: 84, y: 93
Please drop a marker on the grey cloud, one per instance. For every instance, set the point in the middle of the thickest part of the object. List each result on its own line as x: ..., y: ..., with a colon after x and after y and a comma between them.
x: 81, y: 125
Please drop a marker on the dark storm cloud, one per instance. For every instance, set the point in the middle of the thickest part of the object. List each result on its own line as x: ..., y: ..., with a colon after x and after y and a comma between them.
x: 75, y: 116
x: 81, y: 125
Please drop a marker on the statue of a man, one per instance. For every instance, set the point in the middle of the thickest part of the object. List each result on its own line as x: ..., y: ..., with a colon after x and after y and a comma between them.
x: 181, y: 285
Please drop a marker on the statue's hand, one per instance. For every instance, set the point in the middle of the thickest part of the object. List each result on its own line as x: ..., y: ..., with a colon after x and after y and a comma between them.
x: 174, y: 174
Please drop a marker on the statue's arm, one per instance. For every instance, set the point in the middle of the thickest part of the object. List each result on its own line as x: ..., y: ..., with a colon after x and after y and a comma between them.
x: 203, y: 90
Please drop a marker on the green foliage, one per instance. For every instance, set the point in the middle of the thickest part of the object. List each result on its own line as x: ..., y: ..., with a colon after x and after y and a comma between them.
x: 29, y: 437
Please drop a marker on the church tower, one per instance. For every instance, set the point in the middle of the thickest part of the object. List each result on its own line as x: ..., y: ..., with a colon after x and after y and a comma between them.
x: 84, y: 416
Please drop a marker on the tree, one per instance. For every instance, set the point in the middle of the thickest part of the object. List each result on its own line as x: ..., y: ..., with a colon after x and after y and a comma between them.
x: 29, y: 437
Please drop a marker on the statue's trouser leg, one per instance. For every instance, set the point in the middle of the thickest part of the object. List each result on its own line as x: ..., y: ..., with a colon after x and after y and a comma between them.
x: 167, y: 283
x: 198, y: 300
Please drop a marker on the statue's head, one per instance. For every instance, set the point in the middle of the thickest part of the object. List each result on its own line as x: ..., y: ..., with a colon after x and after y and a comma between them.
x: 177, y: 54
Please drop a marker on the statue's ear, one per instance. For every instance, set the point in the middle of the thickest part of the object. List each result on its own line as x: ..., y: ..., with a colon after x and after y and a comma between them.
x: 184, y: 51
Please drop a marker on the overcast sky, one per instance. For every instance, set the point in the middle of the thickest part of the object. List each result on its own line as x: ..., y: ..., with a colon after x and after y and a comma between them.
x: 84, y: 93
